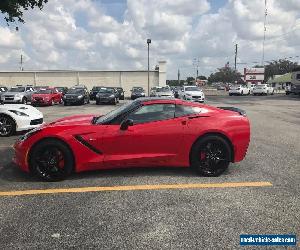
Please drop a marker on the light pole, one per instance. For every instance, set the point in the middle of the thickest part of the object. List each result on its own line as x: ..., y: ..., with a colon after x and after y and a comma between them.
x: 148, y: 43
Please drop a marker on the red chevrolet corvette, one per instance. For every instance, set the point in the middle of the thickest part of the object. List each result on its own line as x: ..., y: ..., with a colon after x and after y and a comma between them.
x: 148, y: 132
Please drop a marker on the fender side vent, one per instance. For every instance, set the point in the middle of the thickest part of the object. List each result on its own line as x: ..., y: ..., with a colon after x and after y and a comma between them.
x: 89, y: 146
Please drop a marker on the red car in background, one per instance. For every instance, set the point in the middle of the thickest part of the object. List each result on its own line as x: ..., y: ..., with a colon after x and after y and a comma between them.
x: 148, y: 132
x: 46, y: 96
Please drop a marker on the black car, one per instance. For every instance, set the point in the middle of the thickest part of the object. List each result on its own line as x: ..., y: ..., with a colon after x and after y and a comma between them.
x: 107, y: 95
x: 137, y: 92
x: 76, y: 96
x: 94, y: 92
x: 62, y: 90
x: 121, y: 93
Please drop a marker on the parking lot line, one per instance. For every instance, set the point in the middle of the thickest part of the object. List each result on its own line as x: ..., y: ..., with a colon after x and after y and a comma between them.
x: 136, y: 187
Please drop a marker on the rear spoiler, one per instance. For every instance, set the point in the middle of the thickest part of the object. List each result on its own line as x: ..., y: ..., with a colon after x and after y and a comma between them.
x: 240, y: 111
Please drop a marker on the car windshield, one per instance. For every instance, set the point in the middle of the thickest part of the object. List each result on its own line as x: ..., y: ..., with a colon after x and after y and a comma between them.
x: 108, y: 91
x: 137, y: 89
x: 192, y: 89
x: 96, y: 88
x: 163, y: 89
x: 116, y: 112
x: 44, y: 91
x: 75, y: 91
x: 17, y: 89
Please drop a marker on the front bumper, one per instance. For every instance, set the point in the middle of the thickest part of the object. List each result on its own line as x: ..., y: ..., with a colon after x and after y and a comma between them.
x: 11, y: 100
x: 105, y: 99
x: 260, y: 92
x: 28, y: 123
x: 195, y: 98
x: 235, y: 92
x: 73, y: 101
x: 20, y: 158
x: 40, y: 102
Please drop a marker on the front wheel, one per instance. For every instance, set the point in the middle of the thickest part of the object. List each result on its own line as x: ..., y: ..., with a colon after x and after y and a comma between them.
x: 210, y: 156
x: 51, y: 160
x: 7, y: 126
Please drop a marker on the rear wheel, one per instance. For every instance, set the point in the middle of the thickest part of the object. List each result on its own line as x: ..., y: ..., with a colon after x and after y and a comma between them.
x: 242, y: 93
x: 210, y: 156
x: 24, y: 100
x: 7, y: 126
x: 51, y: 160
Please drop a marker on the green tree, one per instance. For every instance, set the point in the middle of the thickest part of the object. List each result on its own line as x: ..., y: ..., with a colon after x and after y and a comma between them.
x: 13, y: 9
x: 202, y: 78
x: 279, y: 67
x: 190, y: 79
x: 225, y: 75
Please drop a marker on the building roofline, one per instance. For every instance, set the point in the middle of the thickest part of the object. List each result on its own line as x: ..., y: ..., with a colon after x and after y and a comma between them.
x: 71, y: 71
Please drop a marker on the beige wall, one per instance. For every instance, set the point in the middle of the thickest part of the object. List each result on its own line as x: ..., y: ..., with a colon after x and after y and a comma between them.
x: 125, y: 79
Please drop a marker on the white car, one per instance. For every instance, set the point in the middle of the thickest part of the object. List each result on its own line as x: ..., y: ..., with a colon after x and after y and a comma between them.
x: 192, y: 93
x: 263, y: 89
x: 239, y: 90
x: 18, y: 117
x: 163, y: 92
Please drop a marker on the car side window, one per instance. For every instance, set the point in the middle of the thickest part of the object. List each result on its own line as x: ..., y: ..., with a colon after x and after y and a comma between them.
x: 151, y: 113
x: 182, y: 110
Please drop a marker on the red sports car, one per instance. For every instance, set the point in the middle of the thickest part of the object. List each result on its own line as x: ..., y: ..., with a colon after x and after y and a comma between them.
x: 148, y: 132
x: 46, y: 96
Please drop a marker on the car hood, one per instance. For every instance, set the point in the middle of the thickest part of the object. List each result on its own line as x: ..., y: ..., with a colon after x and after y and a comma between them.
x: 41, y: 95
x: 74, y: 120
x: 29, y: 110
x: 196, y: 93
x: 12, y: 93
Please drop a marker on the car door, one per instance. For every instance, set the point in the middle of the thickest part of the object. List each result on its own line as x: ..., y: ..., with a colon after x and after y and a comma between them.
x: 153, y: 140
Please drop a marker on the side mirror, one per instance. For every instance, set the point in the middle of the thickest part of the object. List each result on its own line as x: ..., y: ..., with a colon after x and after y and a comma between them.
x: 125, y: 124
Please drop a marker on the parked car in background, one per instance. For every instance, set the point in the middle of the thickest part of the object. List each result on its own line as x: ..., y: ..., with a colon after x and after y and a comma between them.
x: 48, y: 96
x: 94, y: 91
x: 18, y: 117
x: 76, y: 95
x: 251, y: 87
x: 263, y: 89
x: 192, y: 93
x: 164, y: 92
x: 107, y: 95
x: 3, y: 89
x: 137, y: 92
x: 239, y: 90
x: 18, y: 94
x: 175, y: 90
x: 62, y: 90
x: 121, y: 93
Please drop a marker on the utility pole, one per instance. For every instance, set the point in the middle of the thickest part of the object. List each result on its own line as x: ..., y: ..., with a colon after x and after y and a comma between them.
x: 21, y: 63
x: 265, y: 29
x: 148, y: 43
x: 178, y: 74
x: 236, y: 50
x: 196, y: 64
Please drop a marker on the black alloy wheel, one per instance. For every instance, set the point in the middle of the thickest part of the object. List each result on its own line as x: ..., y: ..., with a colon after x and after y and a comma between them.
x: 210, y: 156
x: 7, y: 126
x: 51, y: 160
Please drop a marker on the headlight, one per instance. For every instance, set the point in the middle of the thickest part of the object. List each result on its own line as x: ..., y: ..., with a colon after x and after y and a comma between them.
x: 29, y: 134
x: 111, y: 96
x: 80, y: 96
x: 16, y: 112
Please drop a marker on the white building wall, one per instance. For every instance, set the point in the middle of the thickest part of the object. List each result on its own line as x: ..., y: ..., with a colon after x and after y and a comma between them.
x: 125, y: 79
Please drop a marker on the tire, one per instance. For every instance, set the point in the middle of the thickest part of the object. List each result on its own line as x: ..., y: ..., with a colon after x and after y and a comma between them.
x: 24, y: 100
x: 97, y: 103
x: 272, y: 92
x: 7, y: 126
x: 254, y: 94
x: 65, y: 104
x: 230, y: 94
x: 51, y: 160
x: 52, y: 103
x: 115, y: 101
x: 242, y: 93
x: 203, y: 158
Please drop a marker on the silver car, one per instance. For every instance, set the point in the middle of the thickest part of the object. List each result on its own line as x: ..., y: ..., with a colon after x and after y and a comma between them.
x: 18, y: 94
x: 163, y: 92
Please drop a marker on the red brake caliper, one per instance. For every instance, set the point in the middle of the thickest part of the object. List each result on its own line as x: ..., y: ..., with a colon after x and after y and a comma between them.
x: 61, y: 162
x: 202, y: 156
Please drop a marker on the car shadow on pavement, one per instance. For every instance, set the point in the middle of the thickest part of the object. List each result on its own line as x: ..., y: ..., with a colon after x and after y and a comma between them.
x: 9, y: 172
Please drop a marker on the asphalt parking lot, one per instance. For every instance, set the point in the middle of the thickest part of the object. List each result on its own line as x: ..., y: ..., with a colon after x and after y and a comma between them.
x: 181, y: 218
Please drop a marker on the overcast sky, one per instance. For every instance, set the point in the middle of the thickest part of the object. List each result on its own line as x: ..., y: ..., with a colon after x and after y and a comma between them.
x: 111, y: 34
